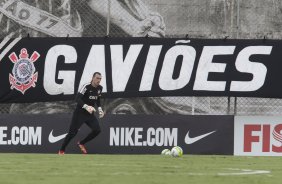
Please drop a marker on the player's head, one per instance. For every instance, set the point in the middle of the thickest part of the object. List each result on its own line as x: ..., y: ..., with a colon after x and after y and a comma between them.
x: 96, y: 79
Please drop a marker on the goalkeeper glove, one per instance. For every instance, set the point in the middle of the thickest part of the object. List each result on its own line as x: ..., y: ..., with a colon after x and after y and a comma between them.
x: 101, y: 112
x: 89, y: 108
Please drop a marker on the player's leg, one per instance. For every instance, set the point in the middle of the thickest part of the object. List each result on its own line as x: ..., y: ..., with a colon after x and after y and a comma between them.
x: 93, y: 123
x: 76, y: 123
x: 95, y: 127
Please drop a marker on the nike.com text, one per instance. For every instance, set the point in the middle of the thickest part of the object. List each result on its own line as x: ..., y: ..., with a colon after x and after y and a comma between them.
x: 125, y: 136
x: 20, y: 135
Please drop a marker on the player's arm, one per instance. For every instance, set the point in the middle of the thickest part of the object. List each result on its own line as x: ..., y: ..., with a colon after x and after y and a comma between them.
x: 79, y: 100
x: 133, y: 17
x: 100, y: 110
x: 81, y: 103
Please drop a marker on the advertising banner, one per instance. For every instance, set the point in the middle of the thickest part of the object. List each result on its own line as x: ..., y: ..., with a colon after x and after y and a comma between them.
x: 53, y: 69
x: 258, y: 135
x: 121, y: 134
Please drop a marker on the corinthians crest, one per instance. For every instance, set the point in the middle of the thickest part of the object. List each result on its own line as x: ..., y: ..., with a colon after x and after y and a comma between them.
x: 24, y: 76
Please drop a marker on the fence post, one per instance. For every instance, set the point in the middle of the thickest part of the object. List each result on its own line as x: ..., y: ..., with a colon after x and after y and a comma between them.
x: 238, y: 18
x: 235, y: 106
x: 228, y: 105
x: 108, y: 17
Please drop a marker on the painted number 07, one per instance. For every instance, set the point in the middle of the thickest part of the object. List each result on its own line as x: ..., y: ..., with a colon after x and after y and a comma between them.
x: 44, y: 18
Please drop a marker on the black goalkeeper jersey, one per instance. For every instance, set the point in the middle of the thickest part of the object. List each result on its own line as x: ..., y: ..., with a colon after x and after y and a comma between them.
x: 89, y: 95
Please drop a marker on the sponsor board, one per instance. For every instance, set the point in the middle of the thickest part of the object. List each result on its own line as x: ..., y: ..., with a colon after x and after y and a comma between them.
x: 258, y: 135
x: 123, y: 134
x: 150, y: 67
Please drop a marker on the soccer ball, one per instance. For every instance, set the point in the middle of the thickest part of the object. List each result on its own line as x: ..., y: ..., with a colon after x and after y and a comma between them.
x: 166, y: 152
x: 176, y: 151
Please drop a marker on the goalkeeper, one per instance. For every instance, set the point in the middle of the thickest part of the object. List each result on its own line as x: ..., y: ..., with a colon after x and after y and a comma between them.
x: 86, y: 99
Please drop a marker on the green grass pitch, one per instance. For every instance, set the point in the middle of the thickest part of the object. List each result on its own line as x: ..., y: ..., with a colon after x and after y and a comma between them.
x: 137, y: 169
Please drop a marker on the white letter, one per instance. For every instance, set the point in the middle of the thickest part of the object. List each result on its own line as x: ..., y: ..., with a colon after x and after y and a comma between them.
x: 166, y: 81
x: 3, y: 135
x: 95, y: 63
x: 122, y: 68
x: 244, y: 65
x: 15, y: 139
x: 23, y: 135
x: 170, y: 138
x: 128, y: 137
x: 159, y: 137
x: 68, y: 77
x: 35, y: 136
x: 206, y: 66
x: 122, y: 136
x: 114, y: 136
x: 150, y: 68
x: 150, y: 141
x: 138, y: 136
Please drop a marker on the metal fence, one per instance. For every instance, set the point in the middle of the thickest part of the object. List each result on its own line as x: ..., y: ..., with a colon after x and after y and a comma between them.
x: 256, y: 19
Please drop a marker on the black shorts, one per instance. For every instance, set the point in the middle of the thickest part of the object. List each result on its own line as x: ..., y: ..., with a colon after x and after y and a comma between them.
x: 81, y: 116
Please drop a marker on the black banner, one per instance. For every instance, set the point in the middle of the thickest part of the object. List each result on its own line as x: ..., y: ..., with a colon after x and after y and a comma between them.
x: 52, y: 69
x: 122, y: 134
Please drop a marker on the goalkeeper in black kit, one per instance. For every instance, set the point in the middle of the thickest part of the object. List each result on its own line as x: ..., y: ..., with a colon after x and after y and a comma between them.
x: 86, y: 99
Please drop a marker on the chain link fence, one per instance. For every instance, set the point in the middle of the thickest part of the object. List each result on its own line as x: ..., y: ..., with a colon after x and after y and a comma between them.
x: 252, y: 19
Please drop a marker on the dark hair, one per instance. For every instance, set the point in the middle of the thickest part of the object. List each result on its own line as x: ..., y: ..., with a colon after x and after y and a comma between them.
x: 98, y: 73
